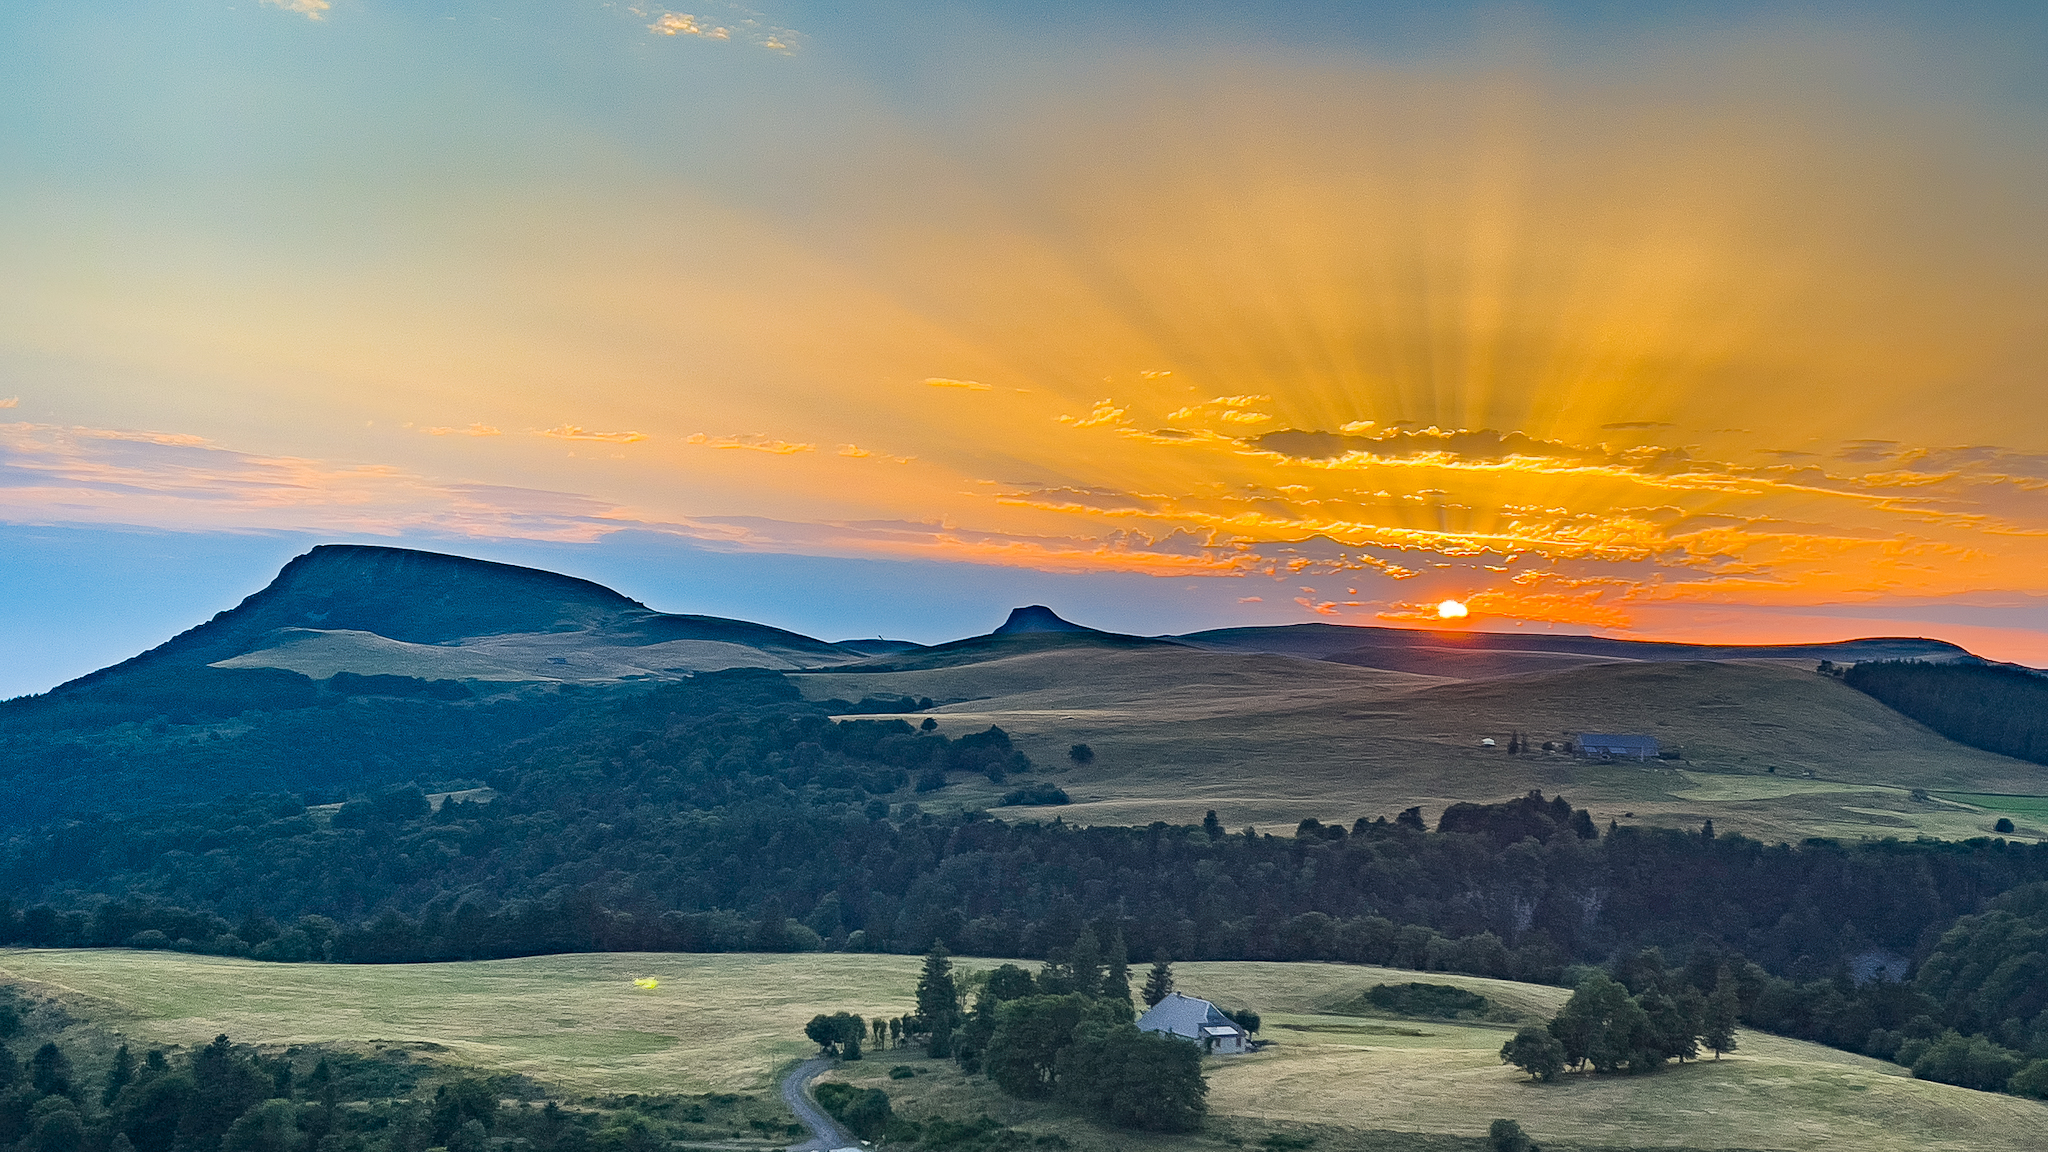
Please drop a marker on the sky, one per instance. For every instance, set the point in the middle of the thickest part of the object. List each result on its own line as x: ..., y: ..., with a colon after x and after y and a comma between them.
x: 1673, y: 321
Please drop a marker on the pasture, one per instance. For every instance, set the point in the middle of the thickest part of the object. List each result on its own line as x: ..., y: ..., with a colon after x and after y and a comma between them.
x: 1770, y: 749
x: 730, y: 1023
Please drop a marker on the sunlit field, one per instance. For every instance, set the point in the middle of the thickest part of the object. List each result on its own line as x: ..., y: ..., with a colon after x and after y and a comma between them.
x: 731, y: 1022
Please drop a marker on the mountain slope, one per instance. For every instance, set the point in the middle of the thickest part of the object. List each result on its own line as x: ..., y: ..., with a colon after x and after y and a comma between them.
x: 397, y: 611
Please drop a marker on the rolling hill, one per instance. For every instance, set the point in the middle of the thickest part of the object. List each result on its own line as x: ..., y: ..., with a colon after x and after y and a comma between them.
x: 359, y: 666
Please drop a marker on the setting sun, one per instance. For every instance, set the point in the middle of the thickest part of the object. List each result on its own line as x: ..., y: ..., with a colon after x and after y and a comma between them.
x: 1451, y: 610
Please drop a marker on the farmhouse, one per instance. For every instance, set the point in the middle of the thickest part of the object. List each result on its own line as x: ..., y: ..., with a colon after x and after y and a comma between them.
x: 1196, y: 1020
x: 1629, y: 747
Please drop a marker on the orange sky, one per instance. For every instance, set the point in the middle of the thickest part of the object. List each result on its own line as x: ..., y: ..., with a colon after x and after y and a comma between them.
x: 1687, y: 329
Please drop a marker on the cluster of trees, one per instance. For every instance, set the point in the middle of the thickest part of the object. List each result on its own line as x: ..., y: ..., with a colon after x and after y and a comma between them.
x: 842, y: 1034
x: 223, y: 1098
x: 91, y: 1093
x: 1996, y: 707
x: 1611, y: 1026
x: 1066, y: 1033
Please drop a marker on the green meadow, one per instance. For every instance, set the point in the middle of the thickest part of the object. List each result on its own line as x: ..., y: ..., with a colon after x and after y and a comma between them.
x: 732, y: 1023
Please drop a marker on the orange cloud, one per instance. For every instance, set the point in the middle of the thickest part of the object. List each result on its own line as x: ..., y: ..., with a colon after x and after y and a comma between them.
x: 751, y: 443
x: 575, y: 432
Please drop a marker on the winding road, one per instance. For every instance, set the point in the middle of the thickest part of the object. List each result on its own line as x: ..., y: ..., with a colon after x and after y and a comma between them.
x: 826, y: 1134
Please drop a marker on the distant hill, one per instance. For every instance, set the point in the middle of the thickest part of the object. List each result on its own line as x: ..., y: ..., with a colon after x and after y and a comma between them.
x: 1481, y: 655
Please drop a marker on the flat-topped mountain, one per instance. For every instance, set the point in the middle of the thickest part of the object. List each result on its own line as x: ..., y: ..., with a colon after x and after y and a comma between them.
x: 395, y: 611
x: 1037, y: 618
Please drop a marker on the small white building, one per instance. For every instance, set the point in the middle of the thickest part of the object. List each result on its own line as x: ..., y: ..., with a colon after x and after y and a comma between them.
x: 1196, y: 1020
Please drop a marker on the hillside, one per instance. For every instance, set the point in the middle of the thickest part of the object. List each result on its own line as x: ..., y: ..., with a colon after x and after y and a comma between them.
x: 1768, y: 748
x: 1480, y: 655
x: 727, y: 1023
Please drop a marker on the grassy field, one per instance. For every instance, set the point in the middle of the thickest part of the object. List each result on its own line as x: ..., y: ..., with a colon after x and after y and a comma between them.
x: 1769, y: 749
x: 2029, y: 813
x: 729, y: 1023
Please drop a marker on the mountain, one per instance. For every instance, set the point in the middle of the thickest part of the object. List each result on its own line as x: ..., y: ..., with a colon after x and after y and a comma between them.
x: 395, y: 611
x: 1037, y: 618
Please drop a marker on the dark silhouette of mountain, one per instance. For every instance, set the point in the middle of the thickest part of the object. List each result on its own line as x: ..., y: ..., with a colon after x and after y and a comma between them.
x: 1482, y: 655
x: 1037, y: 618
x: 429, y: 598
x: 879, y: 646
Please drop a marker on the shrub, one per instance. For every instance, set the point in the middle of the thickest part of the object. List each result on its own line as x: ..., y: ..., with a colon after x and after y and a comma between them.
x: 1425, y: 1000
x: 1507, y: 1136
x: 1040, y: 793
x: 865, y: 1110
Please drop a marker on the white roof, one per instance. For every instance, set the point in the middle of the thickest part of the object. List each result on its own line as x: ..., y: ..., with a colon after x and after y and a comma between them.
x: 1186, y: 1016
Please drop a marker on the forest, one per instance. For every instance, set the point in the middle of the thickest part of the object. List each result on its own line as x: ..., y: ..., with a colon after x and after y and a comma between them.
x: 1997, y: 707
x: 725, y: 813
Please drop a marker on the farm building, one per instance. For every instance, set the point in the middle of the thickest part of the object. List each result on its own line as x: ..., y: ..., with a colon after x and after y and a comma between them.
x: 1628, y: 747
x: 1196, y: 1020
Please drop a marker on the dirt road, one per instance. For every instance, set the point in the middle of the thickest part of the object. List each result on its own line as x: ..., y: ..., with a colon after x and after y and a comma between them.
x: 826, y: 1134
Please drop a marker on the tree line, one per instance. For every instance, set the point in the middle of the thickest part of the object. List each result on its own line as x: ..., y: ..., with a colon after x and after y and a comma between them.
x: 224, y: 1097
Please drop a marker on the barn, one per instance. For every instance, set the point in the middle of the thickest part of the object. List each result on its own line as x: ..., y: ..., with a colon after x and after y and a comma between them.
x: 1618, y: 747
x: 1196, y: 1020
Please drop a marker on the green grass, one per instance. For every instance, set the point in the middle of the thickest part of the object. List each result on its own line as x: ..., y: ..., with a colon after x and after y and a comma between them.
x: 731, y: 1023
x: 2033, y: 809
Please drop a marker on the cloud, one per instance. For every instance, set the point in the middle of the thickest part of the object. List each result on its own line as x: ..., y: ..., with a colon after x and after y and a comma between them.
x: 1468, y: 444
x: 575, y: 432
x: 751, y: 442
x: 1104, y: 412
x: 56, y: 475
x: 856, y: 452
x: 677, y: 24
x: 942, y: 382
x: 310, y: 9
x: 472, y: 430
x: 10, y: 402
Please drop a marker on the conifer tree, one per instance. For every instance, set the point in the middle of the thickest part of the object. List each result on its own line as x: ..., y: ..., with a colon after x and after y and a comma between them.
x: 1158, y: 985
x: 1717, y: 1027
x: 118, y: 1076
x: 938, y: 1000
x: 1084, y: 964
x: 1116, y: 983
